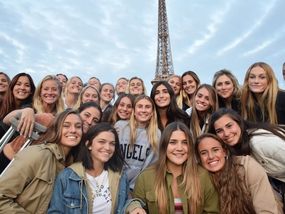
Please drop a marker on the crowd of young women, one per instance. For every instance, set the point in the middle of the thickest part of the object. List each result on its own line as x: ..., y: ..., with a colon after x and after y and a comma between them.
x: 189, y: 147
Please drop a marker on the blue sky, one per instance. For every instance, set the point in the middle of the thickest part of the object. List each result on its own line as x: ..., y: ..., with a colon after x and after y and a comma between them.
x: 110, y: 39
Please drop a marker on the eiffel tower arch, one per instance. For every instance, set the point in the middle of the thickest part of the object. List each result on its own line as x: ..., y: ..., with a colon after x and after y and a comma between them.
x: 164, y: 64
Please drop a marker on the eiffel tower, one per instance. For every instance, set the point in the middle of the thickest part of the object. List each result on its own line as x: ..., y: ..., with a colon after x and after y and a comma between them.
x: 164, y: 65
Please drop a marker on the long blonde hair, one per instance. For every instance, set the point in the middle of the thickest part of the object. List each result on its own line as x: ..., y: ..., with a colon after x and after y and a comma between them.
x: 38, y: 102
x: 266, y: 101
x: 152, y: 127
x: 179, y: 97
x: 190, y: 182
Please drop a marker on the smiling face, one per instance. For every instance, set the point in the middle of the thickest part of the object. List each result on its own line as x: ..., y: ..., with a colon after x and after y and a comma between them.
x: 162, y: 97
x: 90, y: 94
x: 202, y: 100
x: 95, y: 83
x: 175, y: 83
x: 62, y: 79
x: 189, y: 84
x: 143, y: 112
x: 136, y: 87
x: 257, y: 80
x: 212, y: 155
x: 90, y: 116
x: 107, y: 93
x: 228, y: 130
x: 124, y: 109
x: 3, y: 83
x: 71, y: 132
x: 102, y: 148
x: 74, y: 86
x: 22, y: 88
x: 121, y: 86
x: 224, y: 86
x: 177, y: 150
x: 50, y: 92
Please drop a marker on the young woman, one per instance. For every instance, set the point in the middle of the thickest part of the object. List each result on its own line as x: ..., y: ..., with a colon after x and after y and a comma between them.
x: 72, y: 90
x: 121, y: 85
x: 190, y: 83
x: 47, y: 98
x: 204, y: 104
x: 88, y: 94
x: 176, y: 184
x: 19, y: 95
x: 241, y: 182
x: 139, y: 137
x: 228, y: 91
x: 166, y: 106
x: 4, y: 84
x: 95, y: 82
x: 27, y: 185
x: 264, y: 142
x: 261, y: 98
x: 107, y: 94
x: 90, y: 113
x: 62, y: 78
x: 175, y: 81
x: 136, y: 86
x: 96, y: 184
x: 123, y: 108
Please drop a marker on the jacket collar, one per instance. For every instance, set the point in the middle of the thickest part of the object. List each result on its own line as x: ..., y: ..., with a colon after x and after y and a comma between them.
x: 56, y: 150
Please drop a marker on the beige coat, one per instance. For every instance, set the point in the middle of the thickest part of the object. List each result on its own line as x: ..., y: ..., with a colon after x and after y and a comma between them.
x: 27, y: 185
x: 257, y: 181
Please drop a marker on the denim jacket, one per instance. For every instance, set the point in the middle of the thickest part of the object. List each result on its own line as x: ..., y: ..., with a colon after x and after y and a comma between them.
x: 72, y: 193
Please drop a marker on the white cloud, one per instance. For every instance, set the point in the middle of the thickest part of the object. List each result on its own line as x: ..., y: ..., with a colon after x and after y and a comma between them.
x: 255, y: 26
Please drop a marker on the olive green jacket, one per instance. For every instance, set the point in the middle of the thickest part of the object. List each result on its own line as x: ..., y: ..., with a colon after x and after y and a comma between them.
x: 27, y: 185
x: 144, y: 190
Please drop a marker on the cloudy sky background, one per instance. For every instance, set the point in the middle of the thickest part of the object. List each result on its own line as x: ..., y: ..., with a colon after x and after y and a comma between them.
x: 114, y: 38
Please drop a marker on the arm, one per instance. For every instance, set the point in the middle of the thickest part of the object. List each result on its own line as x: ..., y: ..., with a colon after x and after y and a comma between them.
x: 15, y: 180
x: 27, y: 120
x: 268, y: 150
x: 139, y: 194
x: 131, y: 206
x: 260, y: 188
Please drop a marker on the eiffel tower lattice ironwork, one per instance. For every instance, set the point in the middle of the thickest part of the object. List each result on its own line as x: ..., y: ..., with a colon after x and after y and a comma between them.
x: 164, y: 64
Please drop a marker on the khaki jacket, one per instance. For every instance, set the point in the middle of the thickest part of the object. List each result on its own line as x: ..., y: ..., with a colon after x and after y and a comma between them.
x: 27, y: 185
x: 144, y: 190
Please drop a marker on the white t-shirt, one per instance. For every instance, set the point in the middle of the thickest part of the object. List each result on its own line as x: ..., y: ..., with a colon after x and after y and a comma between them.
x: 102, y: 202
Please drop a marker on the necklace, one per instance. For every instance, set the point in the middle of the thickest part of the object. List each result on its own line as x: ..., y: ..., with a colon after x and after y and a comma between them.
x: 97, y: 183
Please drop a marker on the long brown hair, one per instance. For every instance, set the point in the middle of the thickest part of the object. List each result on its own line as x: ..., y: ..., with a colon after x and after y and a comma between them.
x: 230, y: 182
x: 190, y: 182
x: 9, y: 102
x: 197, y: 117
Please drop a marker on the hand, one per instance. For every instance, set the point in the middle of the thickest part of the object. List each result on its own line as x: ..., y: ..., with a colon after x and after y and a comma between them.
x: 27, y: 122
x: 138, y: 211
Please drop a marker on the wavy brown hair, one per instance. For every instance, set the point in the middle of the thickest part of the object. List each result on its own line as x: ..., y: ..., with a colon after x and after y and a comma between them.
x: 230, y: 182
